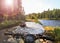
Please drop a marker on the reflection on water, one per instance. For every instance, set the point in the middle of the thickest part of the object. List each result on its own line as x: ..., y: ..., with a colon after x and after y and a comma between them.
x: 50, y: 22
x: 31, y: 28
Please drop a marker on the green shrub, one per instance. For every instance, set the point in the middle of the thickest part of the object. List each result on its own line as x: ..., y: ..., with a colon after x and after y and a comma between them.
x: 57, y: 34
x: 7, y: 24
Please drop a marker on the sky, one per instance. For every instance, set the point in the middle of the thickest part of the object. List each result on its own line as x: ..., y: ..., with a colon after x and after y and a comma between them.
x: 38, y: 6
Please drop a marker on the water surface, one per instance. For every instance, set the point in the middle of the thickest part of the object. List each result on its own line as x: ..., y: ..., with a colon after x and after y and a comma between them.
x: 50, y: 22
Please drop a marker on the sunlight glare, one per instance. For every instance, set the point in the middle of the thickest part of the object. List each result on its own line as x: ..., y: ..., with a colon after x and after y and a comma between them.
x: 9, y: 2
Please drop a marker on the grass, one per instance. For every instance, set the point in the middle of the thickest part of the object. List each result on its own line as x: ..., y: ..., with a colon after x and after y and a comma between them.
x: 8, y: 24
x: 54, y: 32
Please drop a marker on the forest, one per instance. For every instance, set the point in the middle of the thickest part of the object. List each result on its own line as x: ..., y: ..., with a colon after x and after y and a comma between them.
x: 49, y: 14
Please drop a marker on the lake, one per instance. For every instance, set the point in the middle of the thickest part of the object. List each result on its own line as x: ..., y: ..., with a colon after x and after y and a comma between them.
x: 50, y: 22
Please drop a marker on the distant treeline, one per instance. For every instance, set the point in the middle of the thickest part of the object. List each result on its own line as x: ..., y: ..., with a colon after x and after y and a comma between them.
x: 49, y: 14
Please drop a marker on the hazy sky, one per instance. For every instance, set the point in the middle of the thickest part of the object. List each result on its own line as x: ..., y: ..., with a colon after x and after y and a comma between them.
x: 31, y: 6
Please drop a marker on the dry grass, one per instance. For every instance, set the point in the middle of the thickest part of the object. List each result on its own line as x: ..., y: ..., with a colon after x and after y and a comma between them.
x: 47, y: 28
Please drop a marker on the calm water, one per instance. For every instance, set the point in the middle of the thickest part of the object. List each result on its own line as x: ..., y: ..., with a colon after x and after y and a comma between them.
x: 50, y: 22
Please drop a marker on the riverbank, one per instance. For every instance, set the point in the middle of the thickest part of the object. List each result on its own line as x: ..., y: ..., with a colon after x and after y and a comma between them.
x: 8, y: 24
x: 50, y: 30
x: 53, y: 32
x: 2, y: 31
